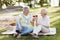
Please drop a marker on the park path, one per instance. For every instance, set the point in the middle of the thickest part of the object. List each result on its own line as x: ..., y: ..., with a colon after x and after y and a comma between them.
x: 36, y: 11
x: 9, y: 13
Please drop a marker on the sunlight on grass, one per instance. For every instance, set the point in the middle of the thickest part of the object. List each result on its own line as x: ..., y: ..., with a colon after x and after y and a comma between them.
x: 4, y: 36
x: 55, y: 18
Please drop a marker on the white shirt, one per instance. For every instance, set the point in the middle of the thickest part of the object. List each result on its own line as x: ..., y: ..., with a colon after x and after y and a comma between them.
x: 44, y: 21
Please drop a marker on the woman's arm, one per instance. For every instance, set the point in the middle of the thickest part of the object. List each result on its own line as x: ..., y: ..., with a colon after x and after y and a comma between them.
x: 32, y: 23
x: 47, y: 23
x: 47, y: 26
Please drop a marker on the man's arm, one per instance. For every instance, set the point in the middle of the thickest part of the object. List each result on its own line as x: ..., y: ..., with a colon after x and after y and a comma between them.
x: 18, y: 23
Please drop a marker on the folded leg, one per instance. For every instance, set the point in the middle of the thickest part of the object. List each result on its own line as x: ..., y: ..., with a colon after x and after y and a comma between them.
x: 26, y: 30
x: 37, y: 29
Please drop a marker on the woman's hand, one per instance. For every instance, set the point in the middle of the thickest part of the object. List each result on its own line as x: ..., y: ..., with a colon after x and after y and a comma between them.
x: 37, y: 24
x: 46, y: 26
x: 32, y: 23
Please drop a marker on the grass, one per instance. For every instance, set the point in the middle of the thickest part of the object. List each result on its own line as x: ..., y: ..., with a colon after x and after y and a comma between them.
x: 55, y: 22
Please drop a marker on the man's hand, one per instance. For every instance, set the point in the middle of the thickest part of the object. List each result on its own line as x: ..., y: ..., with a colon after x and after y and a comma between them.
x: 20, y: 28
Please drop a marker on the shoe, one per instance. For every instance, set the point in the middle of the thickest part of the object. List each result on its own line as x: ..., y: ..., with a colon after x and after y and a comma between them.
x: 14, y: 34
x: 41, y: 33
x: 32, y: 34
x: 18, y: 36
x: 35, y: 36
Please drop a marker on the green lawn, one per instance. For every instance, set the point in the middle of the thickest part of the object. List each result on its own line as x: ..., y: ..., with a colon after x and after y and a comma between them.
x: 55, y: 22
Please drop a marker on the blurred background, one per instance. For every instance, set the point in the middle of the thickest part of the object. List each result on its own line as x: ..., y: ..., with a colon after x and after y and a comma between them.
x: 30, y: 3
x: 10, y: 9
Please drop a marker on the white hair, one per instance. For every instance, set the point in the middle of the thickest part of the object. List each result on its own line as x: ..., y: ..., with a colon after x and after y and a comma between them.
x: 44, y: 10
x: 26, y: 7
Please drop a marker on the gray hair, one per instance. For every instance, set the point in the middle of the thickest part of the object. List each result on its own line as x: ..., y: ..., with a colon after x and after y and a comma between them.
x: 26, y: 7
x: 44, y: 10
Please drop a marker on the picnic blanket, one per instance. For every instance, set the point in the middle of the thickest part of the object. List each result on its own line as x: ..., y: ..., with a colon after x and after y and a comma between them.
x: 52, y: 32
x: 10, y: 31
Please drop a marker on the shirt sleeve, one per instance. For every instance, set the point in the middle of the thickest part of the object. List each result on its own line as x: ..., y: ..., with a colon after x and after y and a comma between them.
x: 18, y: 21
x: 48, y: 22
x: 39, y: 19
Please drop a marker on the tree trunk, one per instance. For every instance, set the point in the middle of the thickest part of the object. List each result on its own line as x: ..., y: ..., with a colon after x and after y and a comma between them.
x: 41, y: 3
x: 59, y: 3
x: 0, y: 3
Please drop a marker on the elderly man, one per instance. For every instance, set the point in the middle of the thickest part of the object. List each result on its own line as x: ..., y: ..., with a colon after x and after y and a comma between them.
x: 23, y: 23
x: 42, y: 24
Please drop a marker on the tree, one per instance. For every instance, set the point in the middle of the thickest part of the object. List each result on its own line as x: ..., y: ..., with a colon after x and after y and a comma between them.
x: 43, y: 2
x: 0, y: 4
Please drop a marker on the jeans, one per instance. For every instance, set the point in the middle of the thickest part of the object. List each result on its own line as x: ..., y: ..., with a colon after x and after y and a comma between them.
x: 39, y: 28
x: 25, y: 30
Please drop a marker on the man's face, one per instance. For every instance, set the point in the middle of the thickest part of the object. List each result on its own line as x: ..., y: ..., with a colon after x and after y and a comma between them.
x: 26, y: 11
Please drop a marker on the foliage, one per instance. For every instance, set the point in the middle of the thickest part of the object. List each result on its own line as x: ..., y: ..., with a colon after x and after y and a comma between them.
x: 42, y: 2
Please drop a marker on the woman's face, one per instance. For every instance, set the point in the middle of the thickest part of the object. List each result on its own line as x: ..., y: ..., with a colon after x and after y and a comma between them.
x: 43, y: 14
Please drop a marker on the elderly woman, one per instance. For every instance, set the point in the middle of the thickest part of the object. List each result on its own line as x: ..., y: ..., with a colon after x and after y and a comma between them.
x: 23, y: 23
x: 42, y: 24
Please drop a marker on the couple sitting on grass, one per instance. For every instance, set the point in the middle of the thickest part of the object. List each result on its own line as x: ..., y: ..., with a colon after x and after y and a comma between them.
x: 33, y: 25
